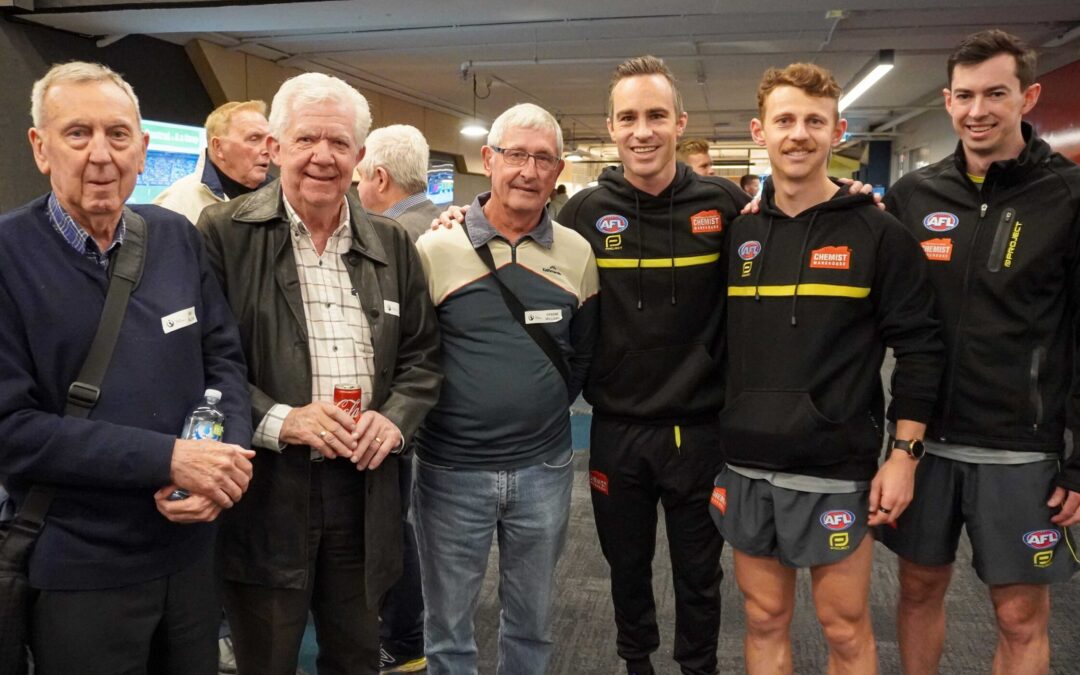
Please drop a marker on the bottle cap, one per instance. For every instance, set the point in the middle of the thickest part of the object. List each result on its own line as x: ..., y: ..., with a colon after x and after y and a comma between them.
x: 213, y: 395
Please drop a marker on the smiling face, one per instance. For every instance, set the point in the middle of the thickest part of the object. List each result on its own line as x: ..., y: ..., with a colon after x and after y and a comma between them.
x: 317, y: 155
x: 986, y: 103
x: 799, y: 130
x: 91, y: 148
x: 242, y: 153
x: 645, y: 128
x: 521, y: 191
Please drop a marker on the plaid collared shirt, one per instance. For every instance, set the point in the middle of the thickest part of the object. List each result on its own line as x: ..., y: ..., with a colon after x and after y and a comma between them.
x: 339, y: 336
x: 405, y: 204
x: 80, y: 239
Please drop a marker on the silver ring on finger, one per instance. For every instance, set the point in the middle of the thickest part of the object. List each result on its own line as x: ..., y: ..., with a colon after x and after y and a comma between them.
x: 322, y: 434
x: 884, y: 510
x: 378, y: 440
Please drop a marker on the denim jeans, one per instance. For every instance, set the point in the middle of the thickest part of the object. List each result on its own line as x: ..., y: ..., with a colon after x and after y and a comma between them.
x: 456, y: 511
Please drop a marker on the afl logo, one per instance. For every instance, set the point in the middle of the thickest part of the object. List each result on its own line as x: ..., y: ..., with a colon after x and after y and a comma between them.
x: 1040, y: 539
x: 837, y: 520
x: 749, y: 250
x: 612, y: 224
x: 940, y: 221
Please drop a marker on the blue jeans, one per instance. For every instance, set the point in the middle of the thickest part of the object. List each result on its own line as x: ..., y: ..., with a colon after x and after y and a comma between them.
x: 456, y: 511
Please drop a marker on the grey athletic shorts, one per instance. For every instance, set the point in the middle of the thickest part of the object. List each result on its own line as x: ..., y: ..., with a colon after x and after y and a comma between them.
x: 800, y: 529
x: 1003, y: 507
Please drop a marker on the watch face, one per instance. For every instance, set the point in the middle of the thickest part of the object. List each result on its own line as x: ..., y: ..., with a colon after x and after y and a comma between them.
x: 917, y: 449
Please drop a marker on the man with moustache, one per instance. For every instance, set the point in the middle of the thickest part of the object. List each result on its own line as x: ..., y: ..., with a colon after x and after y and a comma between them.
x: 999, y: 222
x: 326, y: 294
x: 235, y: 162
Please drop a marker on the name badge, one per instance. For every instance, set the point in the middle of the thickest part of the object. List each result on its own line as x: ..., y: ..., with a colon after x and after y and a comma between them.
x: 178, y: 320
x: 391, y: 308
x: 543, y: 316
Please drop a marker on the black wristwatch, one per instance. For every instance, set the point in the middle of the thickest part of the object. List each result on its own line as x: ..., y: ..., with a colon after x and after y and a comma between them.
x: 914, y: 449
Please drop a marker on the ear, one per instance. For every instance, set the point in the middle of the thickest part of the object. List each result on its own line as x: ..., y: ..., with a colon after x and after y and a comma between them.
x: 382, y: 179
x: 215, y: 147
x: 757, y: 132
x: 611, y: 130
x: 680, y: 124
x: 839, y: 131
x: 37, y: 143
x: 1031, y: 97
x: 274, y: 146
x: 946, y: 93
x: 145, y: 148
x: 488, y: 155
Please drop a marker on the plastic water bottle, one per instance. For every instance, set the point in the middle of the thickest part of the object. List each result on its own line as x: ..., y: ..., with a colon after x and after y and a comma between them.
x: 204, y: 422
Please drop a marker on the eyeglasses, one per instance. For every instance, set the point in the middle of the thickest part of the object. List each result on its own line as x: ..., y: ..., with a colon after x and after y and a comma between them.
x: 517, y: 157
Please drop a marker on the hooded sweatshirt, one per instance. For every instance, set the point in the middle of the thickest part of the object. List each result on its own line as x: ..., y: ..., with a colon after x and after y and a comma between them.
x: 1004, y: 261
x: 658, y: 360
x: 813, y: 301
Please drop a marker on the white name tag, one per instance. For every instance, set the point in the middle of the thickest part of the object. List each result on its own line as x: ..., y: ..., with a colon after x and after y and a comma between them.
x: 178, y: 320
x: 391, y: 308
x: 543, y: 316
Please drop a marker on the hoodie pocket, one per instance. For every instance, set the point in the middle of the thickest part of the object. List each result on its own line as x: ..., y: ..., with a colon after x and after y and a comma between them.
x: 781, y: 429
x: 1001, y: 240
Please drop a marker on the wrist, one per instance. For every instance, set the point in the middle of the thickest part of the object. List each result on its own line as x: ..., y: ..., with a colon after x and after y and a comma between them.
x: 910, y: 449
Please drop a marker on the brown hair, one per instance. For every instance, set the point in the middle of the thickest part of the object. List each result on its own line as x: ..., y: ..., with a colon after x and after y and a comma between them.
x: 692, y: 146
x: 985, y: 45
x: 643, y: 65
x: 809, y: 77
x: 217, y: 122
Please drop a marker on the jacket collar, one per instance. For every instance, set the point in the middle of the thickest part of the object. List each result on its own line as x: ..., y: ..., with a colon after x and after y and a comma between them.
x: 1011, y: 171
x: 209, y: 175
x: 265, y: 206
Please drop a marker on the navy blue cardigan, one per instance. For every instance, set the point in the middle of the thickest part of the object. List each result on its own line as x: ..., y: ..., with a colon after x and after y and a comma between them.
x: 103, y: 529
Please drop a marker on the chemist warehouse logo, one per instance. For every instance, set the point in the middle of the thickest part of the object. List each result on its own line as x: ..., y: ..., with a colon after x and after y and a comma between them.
x: 831, y: 258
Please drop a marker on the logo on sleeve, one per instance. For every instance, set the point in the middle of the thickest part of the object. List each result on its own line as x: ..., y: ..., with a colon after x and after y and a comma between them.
x: 940, y: 221
x: 704, y: 222
x: 831, y: 258
x: 1042, y: 539
x: 938, y: 249
x: 598, y: 482
x: 612, y: 224
x: 837, y: 520
x: 719, y: 499
x: 749, y: 249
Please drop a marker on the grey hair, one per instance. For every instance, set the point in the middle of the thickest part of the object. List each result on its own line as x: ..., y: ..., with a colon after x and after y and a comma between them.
x: 309, y: 88
x: 401, y: 150
x: 76, y: 71
x: 525, y: 116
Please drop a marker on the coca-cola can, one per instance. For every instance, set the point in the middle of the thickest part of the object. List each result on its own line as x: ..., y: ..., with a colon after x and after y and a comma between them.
x: 347, y: 397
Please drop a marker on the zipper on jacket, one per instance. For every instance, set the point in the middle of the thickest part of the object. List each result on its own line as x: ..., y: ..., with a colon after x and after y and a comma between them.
x: 1001, y: 239
x: 1034, y: 394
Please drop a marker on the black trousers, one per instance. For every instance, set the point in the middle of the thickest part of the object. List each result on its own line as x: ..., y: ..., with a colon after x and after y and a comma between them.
x: 632, y: 467
x: 401, y: 615
x: 268, y: 623
x: 166, y: 626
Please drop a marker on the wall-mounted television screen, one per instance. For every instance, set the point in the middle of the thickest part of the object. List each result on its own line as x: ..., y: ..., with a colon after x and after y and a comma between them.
x: 173, y: 153
x: 440, y: 178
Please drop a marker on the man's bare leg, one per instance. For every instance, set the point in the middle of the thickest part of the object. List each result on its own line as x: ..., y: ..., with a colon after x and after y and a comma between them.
x: 768, y: 590
x: 1023, y: 616
x: 841, y: 596
x: 920, y: 616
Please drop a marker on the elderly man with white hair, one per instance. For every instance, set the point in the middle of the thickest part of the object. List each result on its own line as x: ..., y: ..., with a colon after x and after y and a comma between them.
x: 515, y: 294
x: 326, y: 295
x: 393, y: 178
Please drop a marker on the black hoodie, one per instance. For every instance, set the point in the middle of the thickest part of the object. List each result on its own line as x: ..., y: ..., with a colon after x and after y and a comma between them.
x: 804, y: 383
x: 1005, y: 265
x: 658, y: 360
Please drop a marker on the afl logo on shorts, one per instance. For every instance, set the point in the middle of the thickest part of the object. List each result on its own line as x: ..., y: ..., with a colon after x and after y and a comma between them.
x: 1040, y: 539
x: 940, y: 221
x: 837, y: 520
x: 612, y: 224
x: 749, y: 250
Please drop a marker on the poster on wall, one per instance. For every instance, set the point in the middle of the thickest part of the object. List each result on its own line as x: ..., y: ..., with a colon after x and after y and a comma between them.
x: 1055, y: 117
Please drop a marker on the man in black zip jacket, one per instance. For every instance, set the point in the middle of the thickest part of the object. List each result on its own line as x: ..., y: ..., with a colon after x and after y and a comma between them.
x: 999, y: 222
x: 819, y: 283
x: 656, y: 384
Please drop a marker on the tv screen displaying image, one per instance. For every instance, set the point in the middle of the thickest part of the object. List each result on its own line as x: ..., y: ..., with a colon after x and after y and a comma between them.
x: 173, y: 153
x: 440, y: 181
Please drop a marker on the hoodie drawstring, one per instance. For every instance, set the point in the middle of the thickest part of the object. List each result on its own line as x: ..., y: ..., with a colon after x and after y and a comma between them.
x: 798, y: 275
x: 671, y: 240
x: 640, y: 229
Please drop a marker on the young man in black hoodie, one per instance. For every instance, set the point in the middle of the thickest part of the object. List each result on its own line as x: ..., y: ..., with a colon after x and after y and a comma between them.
x: 819, y: 283
x: 999, y: 222
x: 656, y: 384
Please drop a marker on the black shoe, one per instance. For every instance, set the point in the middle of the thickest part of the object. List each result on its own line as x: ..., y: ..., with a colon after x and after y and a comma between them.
x: 390, y: 664
x: 642, y: 667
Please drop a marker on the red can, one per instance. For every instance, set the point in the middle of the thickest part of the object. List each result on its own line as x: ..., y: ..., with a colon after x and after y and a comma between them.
x: 347, y: 397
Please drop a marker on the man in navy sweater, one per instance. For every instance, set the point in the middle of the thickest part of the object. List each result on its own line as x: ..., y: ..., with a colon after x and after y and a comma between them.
x: 124, y: 576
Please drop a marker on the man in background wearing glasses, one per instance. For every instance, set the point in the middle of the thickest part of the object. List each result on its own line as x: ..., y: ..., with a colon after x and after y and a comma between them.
x: 495, y: 454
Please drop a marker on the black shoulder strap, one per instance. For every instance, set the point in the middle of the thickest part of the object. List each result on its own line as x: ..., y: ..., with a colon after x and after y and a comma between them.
x: 540, y: 336
x: 125, y: 272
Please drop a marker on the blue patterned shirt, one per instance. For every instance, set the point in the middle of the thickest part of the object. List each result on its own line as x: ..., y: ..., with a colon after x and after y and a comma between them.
x: 405, y: 204
x: 80, y: 239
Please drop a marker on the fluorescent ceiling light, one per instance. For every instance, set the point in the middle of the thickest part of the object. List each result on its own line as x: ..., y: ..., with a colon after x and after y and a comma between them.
x: 867, y: 77
x: 473, y: 129
x: 574, y: 156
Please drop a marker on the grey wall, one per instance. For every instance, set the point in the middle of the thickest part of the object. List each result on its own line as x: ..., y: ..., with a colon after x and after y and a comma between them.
x: 164, y: 80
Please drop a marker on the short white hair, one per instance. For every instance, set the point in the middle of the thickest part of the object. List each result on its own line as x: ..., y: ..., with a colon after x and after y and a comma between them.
x: 402, y: 150
x: 309, y: 88
x: 77, y: 72
x: 525, y: 116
